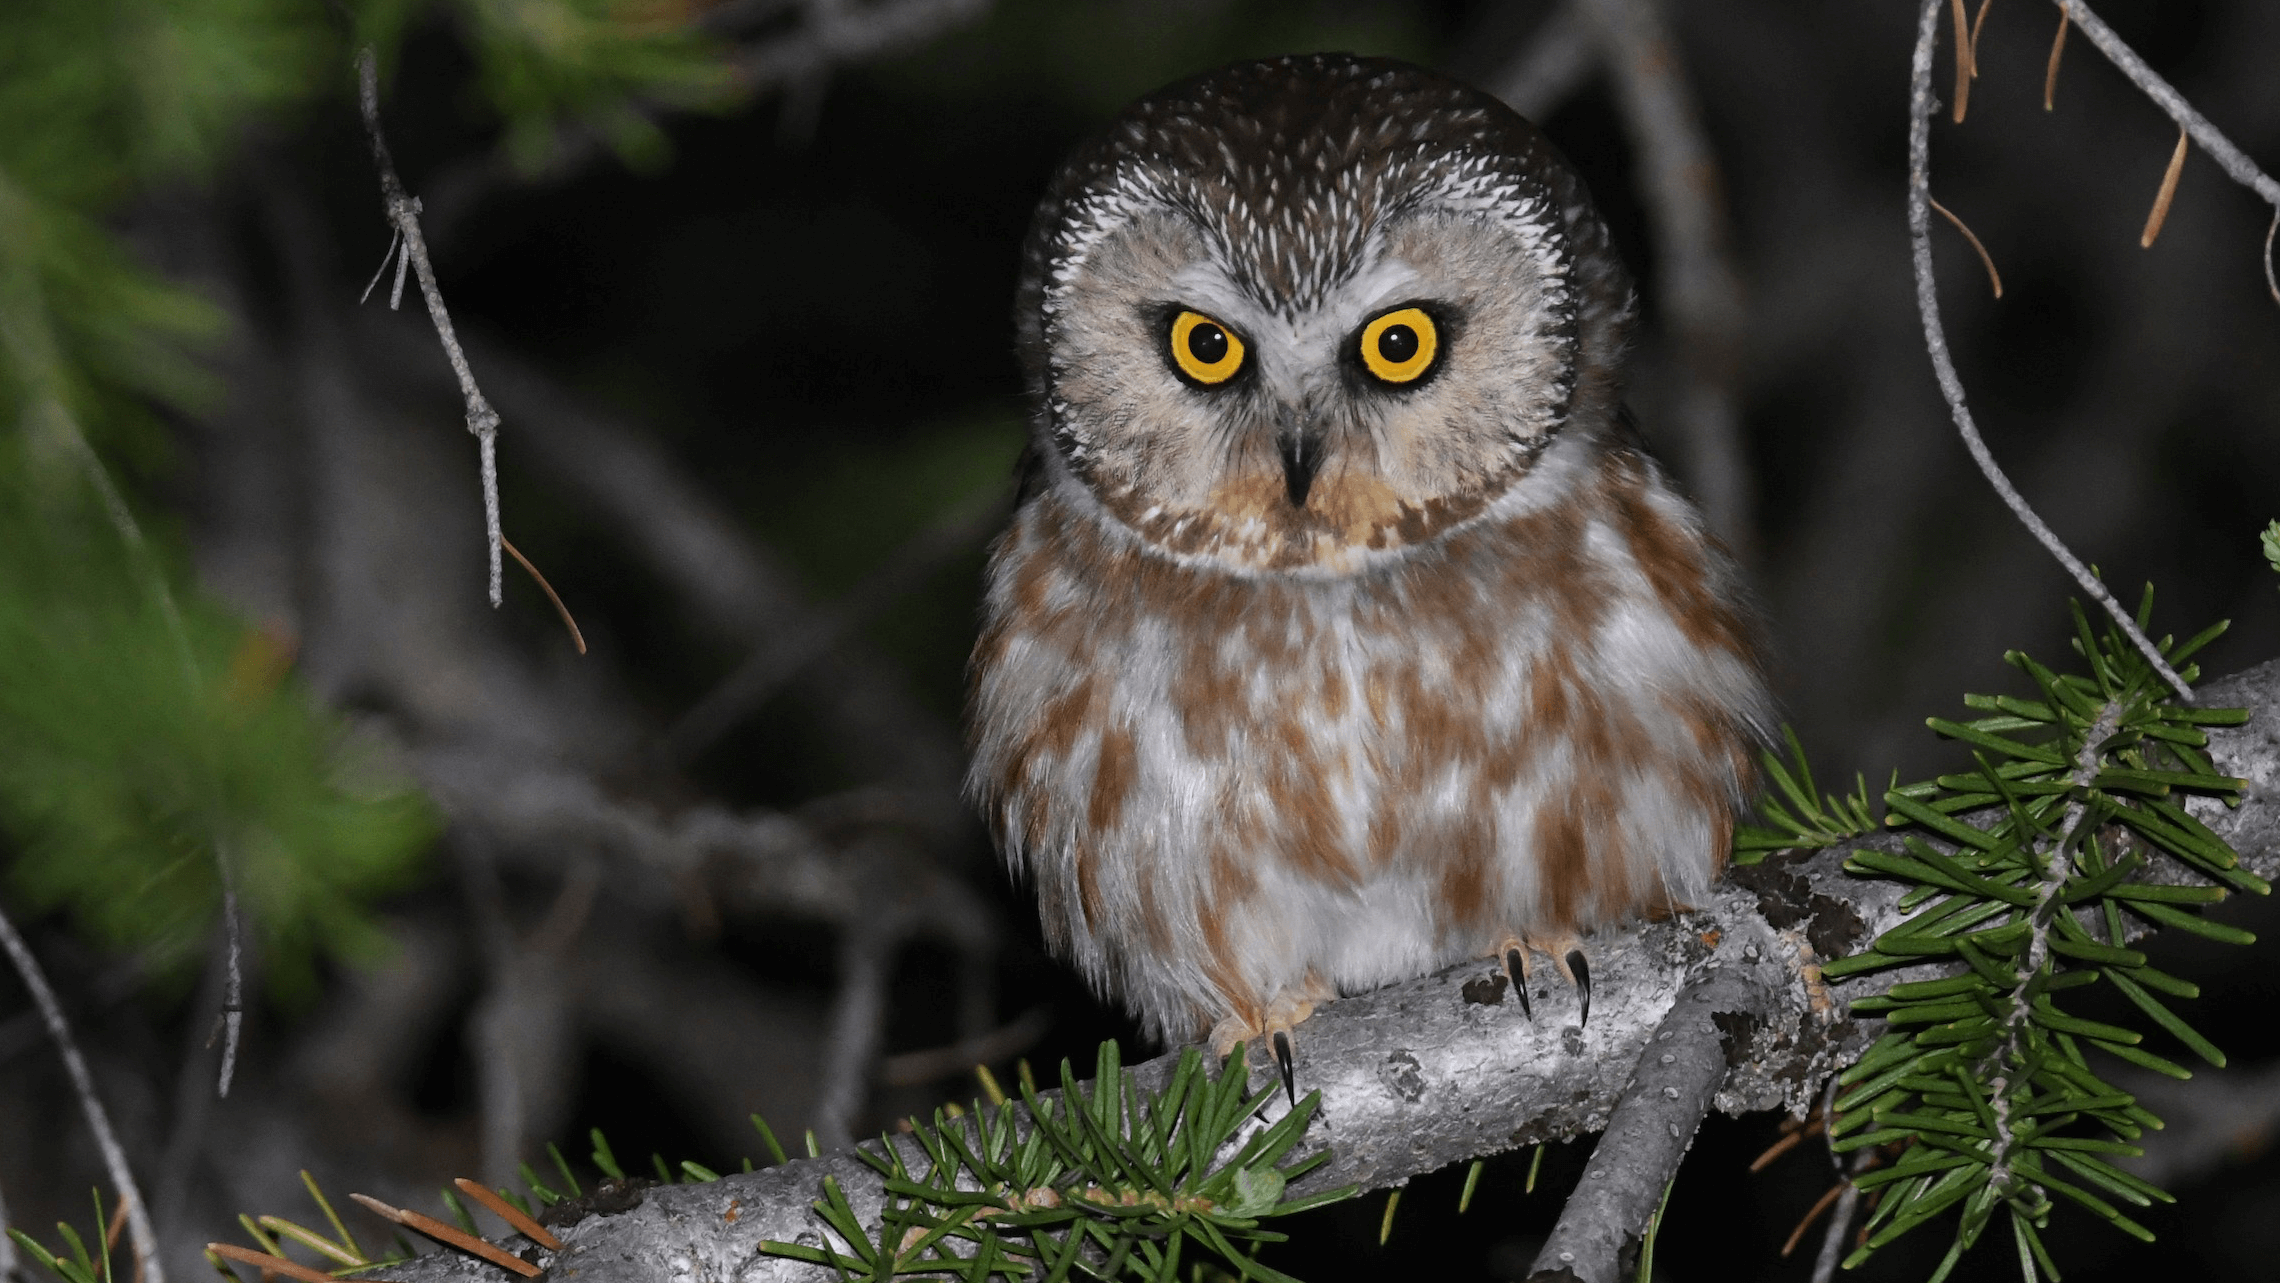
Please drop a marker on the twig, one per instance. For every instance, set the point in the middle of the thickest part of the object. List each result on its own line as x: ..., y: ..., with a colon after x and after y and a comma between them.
x: 122, y: 520
x: 90, y: 1104
x: 1921, y: 106
x: 576, y: 637
x: 1704, y: 292
x: 2057, y: 47
x: 1995, y: 1068
x: 403, y: 215
x: 857, y: 1016
x: 2269, y: 283
x: 1833, y: 1240
x: 2231, y: 159
x: 1553, y: 67
x: 1994, y: 278
x: 2168, y: 193
x: 1678, y: 1073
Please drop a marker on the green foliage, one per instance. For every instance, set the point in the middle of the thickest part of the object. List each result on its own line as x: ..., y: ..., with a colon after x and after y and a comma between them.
x: 1801, y: 817
x: 126, y: 766
x: 120, y: 778
x: 2271, y: 541
x: 1983, y: 1094
x: 1132, y: 1176
x: 74, y: 1264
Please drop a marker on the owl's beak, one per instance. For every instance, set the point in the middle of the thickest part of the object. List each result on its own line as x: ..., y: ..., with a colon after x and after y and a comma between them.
x: 1301, y: 450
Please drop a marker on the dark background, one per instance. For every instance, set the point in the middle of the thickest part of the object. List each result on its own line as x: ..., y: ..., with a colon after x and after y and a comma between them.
x: 799, y: 320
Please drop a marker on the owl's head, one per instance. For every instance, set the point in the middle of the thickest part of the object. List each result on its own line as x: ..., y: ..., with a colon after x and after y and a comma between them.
x: 1303, y: 314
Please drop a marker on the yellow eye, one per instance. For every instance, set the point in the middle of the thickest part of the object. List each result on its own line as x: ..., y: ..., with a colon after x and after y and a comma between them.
x: 1399, y: 347
x: 1205, y: 350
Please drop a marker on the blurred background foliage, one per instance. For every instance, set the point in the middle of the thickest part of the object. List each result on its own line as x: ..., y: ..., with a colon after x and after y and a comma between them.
x: 738, y: 276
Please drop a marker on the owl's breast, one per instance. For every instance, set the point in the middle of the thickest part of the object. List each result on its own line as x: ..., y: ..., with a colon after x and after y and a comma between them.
x: 1215, y: 777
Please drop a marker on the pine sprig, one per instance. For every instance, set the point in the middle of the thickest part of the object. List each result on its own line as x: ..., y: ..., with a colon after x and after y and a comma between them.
x: 1984, y: 1087
x: 1801, y: 817
x: 1108, y: 1180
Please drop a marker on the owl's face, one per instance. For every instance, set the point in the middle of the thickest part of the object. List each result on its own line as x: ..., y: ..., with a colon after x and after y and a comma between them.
x: 1307, y: 314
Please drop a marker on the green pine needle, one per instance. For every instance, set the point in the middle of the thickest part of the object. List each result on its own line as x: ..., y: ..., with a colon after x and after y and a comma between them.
x: 1982, y: 1092
x: 1136, y: 1174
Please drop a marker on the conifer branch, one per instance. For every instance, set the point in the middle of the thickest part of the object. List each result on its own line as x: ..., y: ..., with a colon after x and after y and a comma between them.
x: 1438, y: 1070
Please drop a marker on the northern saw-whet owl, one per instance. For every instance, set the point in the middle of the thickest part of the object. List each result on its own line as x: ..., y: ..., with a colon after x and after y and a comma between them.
x: 1343, y: 631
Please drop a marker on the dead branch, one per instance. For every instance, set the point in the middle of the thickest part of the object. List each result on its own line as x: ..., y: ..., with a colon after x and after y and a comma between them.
x: 1700, y: 282
x: 404, y: 216
x: 1921, y: 106
x: 90, y: 1104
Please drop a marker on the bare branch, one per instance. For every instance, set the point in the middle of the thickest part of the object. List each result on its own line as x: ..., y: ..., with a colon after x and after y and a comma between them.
x: 858, y: 1016
x: 1551, y: 68
x: 1678, y: 1074
x: 90, y: 1104
x: 1920, y: 109
x: 404, y: 216
x: 1701, y: 285
x: 2229, y: 158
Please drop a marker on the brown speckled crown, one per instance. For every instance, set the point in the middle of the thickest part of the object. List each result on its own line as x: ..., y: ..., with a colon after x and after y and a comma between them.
x: 1293, y: 161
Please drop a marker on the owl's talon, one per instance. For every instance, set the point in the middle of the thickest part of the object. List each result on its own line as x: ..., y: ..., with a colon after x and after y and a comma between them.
x: 1516, y: 970
x: 1580, y: 970
x: 1283, y: 1061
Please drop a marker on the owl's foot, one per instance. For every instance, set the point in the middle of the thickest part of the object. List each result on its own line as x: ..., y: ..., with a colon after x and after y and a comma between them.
x: 1272, y: 1029
x: 1566, y: 953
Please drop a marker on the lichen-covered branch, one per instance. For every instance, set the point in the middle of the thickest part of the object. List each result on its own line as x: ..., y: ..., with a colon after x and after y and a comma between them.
x: 1444, y: 1068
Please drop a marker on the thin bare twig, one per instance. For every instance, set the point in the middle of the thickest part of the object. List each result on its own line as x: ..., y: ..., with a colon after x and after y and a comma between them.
x: 858, y: 1015
x: 2208, y: 137
x: 1994, y: 278
x: 2168, y: 193
x: 1840, y: 1224
x: 90, y: 1104
x: 1921, y: 105
x: 404, y: 216
x: 2269, y: 283
x: 1551, y: 68
x: 1685, y: 200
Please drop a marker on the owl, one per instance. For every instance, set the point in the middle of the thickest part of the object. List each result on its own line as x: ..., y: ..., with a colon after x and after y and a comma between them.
x: 1343, y: 631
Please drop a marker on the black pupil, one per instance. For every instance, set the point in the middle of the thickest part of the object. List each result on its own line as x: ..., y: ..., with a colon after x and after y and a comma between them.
x: 1398, y: 343
x: 1208, y: 343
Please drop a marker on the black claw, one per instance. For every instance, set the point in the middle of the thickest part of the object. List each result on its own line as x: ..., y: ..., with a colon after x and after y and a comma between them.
x: 1582, y: 970
x: 1512, y: 968
x: 1283, y: 1058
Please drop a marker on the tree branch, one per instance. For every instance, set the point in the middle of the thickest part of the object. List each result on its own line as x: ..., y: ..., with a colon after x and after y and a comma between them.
x: 1921, y: 104
x: 1444, y: 1068
x: 404, y: 215
x: 1701, y: 286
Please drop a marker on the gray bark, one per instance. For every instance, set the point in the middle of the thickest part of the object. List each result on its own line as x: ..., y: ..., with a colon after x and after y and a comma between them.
x: 1445, y: 1068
